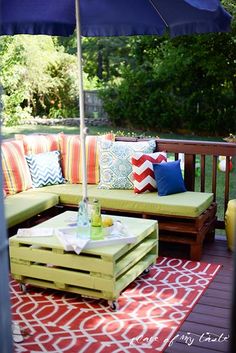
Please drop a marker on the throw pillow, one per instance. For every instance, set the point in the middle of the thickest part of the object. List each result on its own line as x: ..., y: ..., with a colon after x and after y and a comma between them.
x: 143, y: 174
x: 169, y: 178
x: 16, y: 175
x: 70, y: 147
x: 115, y: 162
x: 45, y: 169
x: 39, y: 143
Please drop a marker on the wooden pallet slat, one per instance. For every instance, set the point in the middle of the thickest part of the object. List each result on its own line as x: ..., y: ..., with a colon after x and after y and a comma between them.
x: 64, y: 259
x: 99, y: 272
x: 130, y: 259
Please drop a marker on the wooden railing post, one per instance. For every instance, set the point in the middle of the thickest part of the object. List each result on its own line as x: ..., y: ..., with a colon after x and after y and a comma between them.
x: 189, y: 171
x: 214, y: 175
x: 203, y: 171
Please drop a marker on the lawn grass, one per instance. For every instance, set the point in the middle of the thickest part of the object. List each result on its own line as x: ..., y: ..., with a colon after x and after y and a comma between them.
x: 9, y: 132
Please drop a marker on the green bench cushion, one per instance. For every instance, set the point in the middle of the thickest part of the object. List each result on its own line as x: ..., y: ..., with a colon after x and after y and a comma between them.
x: 186, y: 204
x: 26, y: 204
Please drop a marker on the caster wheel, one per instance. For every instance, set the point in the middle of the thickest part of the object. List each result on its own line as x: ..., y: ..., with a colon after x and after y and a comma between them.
x: 16, y: 333
x: 23, y: 287
x: 146, y: 271
x: 113, y: 305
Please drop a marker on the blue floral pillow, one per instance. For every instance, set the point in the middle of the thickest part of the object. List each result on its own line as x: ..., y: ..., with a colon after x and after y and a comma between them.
x: 169, y: 178
x: 45, y: 169
x: 115, y: 162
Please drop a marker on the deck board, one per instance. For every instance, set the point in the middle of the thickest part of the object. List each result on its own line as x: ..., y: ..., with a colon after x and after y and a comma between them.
x: 215, y: 311
x: 211, y: 320
x: 212, y: 313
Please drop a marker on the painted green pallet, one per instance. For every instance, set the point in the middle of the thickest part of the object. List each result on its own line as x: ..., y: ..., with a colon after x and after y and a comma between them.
x: 99, y: 273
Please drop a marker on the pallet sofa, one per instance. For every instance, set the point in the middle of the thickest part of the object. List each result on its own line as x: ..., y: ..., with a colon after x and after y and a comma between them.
x: 185, y: 218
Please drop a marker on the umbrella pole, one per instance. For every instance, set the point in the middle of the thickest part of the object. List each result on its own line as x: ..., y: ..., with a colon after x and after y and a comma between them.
x: 83, y: 129
x: 5, y: 318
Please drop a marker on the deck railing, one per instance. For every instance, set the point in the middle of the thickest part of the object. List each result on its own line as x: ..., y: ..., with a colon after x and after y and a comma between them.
x: 207, y: 153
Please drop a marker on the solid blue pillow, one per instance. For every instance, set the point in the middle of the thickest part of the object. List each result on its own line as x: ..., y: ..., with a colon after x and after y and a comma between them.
x: 169, y: 178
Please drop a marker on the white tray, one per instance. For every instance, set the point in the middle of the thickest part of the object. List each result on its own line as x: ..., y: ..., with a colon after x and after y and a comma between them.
x: 117, y: 234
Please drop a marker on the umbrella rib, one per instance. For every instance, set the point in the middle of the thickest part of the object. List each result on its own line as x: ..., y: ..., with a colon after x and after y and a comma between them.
x: 156, y: 9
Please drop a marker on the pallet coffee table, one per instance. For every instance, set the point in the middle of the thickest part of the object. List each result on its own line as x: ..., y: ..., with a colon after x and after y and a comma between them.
x: 101, y: 272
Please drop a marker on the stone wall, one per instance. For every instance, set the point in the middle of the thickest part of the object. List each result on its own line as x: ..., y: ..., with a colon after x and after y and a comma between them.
x: 94, y: 112
x: 66, y: 121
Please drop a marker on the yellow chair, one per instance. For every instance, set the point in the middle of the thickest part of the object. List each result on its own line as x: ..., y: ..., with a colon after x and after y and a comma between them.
x: 230, y: 223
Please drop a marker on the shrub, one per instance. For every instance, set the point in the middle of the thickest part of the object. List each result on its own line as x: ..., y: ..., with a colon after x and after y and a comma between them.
x: 38, y: 79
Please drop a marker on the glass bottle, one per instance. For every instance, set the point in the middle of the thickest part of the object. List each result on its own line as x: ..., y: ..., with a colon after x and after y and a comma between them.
x: 96, y: 221
x: 83, y: 225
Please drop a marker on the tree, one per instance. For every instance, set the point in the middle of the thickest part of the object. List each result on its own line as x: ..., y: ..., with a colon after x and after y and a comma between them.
x: 38, y: 78
x: 188, y: 82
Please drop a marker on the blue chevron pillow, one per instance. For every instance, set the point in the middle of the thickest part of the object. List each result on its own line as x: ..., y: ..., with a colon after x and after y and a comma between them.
x: 45, y: 169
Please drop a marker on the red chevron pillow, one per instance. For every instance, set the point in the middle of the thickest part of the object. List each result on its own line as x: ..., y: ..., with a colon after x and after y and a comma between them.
x: 143, y: 174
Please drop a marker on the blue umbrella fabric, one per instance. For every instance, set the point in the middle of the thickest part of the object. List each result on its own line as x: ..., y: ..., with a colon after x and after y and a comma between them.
x: 97, y: 18
x: 113, y: 18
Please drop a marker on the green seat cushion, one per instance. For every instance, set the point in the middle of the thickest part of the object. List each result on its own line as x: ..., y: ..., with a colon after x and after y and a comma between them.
x: 186, y: 204
x: 67, y: 193
x: 26, y: 204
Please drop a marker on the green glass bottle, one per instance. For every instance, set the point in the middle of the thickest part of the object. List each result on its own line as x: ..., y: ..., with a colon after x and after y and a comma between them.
x: 96, y: 221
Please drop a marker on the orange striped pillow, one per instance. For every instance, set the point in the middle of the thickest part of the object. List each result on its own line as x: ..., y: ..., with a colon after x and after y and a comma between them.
x: 16, y: 173
x: 39, y: 143
x: 70, y: 148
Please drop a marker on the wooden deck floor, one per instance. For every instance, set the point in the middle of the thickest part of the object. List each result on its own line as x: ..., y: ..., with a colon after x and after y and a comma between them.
x: 210, y: 318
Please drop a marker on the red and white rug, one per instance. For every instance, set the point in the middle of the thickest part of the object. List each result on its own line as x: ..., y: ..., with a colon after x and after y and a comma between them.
x: 150, y: 311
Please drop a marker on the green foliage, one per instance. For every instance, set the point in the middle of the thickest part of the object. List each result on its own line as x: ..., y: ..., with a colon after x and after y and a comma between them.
x: 199, y: 72
x: 185, y: 83
x: 104, y: 57
x: 38, y: 79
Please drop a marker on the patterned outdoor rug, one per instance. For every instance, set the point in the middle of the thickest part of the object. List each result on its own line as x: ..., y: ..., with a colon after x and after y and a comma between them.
x: 151, y: 310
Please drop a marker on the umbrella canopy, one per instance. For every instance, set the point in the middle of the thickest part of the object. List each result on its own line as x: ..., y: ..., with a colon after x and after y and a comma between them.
x: 98, y: 18
x: 113, y: 18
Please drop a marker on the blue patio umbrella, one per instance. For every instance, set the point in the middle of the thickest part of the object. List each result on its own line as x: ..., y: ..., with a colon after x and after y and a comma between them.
x: 106, y: 18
